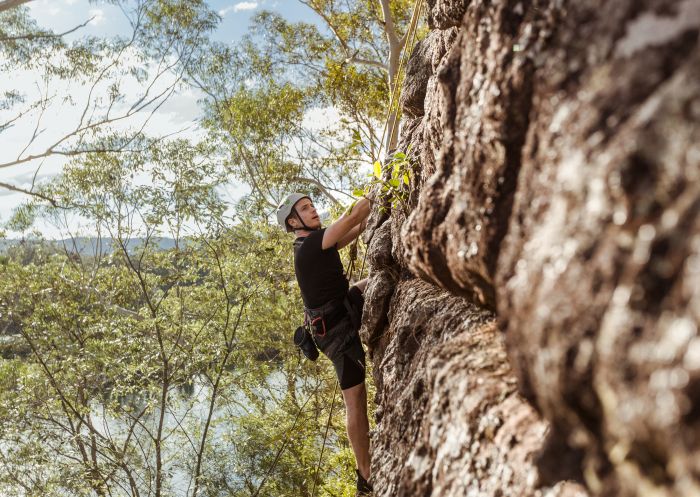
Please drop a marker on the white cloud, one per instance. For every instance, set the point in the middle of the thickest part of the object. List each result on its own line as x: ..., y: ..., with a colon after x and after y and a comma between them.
x: 238, y: 7
x: 183, y: 107
x: 319, y: 118
x: 245, y: 6
x: 98, y: 16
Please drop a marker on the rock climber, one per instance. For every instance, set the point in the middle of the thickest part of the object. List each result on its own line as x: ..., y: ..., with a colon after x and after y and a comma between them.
x: 334, y: 308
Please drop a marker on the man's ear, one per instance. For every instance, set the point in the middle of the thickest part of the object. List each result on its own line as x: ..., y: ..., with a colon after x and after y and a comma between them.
x: 293, y: 222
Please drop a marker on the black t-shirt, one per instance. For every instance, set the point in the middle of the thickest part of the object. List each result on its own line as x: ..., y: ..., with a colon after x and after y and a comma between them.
x: 319, y: 272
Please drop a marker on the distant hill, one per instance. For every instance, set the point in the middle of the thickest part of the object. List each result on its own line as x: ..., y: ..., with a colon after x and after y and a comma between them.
x: 90, y: 245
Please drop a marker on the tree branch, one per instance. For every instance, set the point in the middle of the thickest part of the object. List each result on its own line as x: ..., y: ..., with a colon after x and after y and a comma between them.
x: 41, y: 196
x: 365, y: 62
x: 40, y: 35
x: 320, y: 186
x: 352, y: 59
x: 328, y: 22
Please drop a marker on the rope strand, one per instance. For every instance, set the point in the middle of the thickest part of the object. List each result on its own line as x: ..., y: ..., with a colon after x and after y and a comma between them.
x: 393, y: 98
x: 406, y: 50
x: 325, y: 437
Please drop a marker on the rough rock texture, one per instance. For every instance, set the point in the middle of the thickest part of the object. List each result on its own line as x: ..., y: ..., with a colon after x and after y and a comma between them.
x: 443, y: 14
x: 451, y: 421
x: 556, y: 198
x: 453, y: 237
x: 598, y: 281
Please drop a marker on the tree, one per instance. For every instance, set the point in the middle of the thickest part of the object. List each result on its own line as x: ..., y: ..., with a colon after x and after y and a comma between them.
x: 154, y: 370
x: 155, y: 56
x: 363, y: 52
x: 260, y: 91
x: 157, y: 369
x: 9, y: 4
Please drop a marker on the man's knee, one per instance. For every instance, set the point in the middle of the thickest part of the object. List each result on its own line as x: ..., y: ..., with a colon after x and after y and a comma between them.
x: 355, y: 397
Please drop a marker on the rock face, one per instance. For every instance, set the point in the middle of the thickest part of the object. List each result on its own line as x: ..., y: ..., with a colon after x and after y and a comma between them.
x: 451, y: 421
x: 547, y: 278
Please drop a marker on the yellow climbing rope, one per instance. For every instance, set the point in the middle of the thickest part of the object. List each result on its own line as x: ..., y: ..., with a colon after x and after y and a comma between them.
x: 406, y: 50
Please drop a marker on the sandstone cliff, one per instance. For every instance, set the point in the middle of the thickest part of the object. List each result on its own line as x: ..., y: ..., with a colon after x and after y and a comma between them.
x: 533, y: 321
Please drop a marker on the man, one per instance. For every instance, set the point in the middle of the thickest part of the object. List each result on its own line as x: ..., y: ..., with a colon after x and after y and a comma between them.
x: 332, y: 307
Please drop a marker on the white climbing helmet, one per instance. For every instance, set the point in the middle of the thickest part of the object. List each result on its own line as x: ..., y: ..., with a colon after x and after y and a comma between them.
x: 285, y: 209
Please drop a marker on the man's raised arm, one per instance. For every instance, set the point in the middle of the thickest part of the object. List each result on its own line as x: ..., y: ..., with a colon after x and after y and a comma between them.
x: 345, y: 223
x: 352, y: 234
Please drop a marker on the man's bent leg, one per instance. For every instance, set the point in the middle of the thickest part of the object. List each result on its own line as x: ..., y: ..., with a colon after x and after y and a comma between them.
x: 357, y: 425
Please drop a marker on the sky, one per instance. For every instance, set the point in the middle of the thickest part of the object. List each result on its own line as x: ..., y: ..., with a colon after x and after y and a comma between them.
x: 179, y: 113
x: 108, y: 20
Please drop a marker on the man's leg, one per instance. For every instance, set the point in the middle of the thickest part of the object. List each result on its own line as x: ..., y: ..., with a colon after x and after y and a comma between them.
x: 355, y: 397
x: 357, y: 425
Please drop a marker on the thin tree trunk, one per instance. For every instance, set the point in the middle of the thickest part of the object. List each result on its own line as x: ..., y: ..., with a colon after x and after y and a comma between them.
x: 159, y: 434
x: 395, y: 47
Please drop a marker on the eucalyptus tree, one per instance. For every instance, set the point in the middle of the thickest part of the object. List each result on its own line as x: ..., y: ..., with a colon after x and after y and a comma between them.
x: 361, y: 66
x: 351, y: 57
x: 160, y: 371
x: 113, y: 334
x: 116, y: 84
x: 117, y: 335
x: 8, y: 4
x: 265, y: 96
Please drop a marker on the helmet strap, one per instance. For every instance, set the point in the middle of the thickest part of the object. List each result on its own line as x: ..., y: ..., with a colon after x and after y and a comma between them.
x: 303, y: 224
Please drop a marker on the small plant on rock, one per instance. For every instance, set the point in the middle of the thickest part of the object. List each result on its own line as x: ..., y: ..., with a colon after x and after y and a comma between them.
x: 393, y: 181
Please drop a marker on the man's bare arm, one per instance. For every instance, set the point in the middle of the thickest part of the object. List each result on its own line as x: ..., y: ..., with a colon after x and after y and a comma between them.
x: 342, y: 227
x: 354, y: 233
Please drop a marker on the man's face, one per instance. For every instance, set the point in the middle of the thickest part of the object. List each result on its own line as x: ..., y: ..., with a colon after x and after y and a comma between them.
x: 306, y: 210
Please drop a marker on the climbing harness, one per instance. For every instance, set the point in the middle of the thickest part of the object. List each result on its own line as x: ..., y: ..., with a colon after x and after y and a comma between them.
x: 330, y: 328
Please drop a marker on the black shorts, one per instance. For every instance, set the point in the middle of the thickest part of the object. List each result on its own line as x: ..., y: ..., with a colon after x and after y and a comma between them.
x: 349, y: 358
x: 350, y: 365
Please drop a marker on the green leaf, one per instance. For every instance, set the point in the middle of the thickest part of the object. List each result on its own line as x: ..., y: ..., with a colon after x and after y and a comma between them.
x: 406, y: 178
x: 394, y: 182
x: 358, y: 192
x: 377, y: 169
x: 399, y: 156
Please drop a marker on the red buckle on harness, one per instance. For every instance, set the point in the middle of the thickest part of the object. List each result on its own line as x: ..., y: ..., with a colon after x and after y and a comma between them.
x: 323, y: 322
